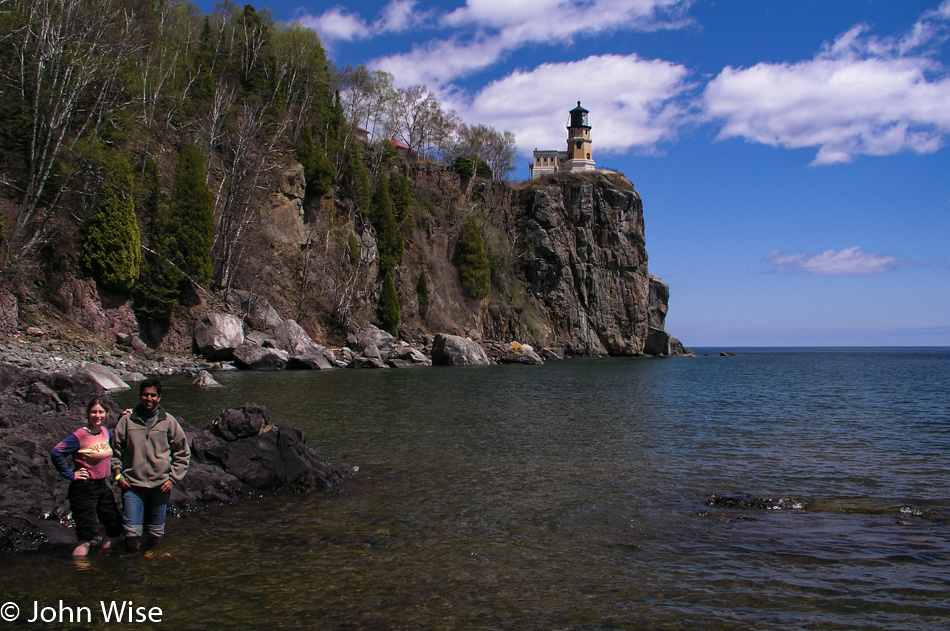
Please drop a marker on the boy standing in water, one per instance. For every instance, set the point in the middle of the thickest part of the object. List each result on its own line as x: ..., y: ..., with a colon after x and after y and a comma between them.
x: 150, y: 455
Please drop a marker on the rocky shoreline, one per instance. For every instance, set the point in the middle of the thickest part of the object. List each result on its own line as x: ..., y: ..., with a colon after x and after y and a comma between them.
x: 241, y: 453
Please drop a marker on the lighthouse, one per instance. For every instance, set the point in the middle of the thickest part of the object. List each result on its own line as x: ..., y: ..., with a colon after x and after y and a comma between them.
x: 578, y: 142
x: 578, y: 156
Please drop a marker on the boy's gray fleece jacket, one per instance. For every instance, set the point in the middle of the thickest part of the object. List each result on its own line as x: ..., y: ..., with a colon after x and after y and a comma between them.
x: 149, y: 457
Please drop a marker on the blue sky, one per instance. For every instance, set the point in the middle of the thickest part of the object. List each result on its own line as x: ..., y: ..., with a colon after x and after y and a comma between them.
x: 792, y: 156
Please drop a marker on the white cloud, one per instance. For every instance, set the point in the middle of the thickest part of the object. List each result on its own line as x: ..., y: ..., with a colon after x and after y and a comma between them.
x: 338, y: 24
x: 437, y: 63
x: 554, y: 19
x: 633, y: 102
x: 860, y: 96
x: 489, y: 29
x: 847, y: 262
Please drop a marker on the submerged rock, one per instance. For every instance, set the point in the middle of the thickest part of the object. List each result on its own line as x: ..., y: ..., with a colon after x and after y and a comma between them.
x: 204, y: 380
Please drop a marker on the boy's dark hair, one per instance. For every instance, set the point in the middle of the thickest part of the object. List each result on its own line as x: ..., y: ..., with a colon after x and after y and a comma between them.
x: 151, y: 383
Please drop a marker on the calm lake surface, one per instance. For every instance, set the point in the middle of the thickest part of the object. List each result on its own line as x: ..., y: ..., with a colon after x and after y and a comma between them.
x: 574, y: 495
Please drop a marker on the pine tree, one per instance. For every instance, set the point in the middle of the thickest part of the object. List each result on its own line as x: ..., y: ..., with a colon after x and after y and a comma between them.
x: 389, y: 240
x: 472, y: 260
x: 111, y: 249
x: 355, y: 183
x: 401, y: 197
x: 191, y: 217
x: 422, y: 294
x: 156, y: 294
x: 317, y: 168
x: 388, y: 310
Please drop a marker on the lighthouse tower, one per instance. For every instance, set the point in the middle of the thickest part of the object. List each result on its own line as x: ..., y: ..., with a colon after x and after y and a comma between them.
x: 578, y: 154
x: 578, y: 142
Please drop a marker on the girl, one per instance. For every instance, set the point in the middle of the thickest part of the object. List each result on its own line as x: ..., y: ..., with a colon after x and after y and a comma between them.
x: 90, y: 496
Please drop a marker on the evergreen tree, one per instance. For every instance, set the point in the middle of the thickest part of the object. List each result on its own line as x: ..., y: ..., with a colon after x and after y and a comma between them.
x: 317, y: 168
x: 401, y: 197
x: 388, y: 310
x: 356, y: 180
x: 191, y: 217
x: 472, y: 260
x: 388, y: 238
x: 422, y: 294
x: 464, y: 167
x: 111, y: 249
x: 156, y: 294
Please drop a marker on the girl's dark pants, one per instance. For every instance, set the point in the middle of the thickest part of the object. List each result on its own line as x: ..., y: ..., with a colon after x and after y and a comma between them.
x: 92, y: 502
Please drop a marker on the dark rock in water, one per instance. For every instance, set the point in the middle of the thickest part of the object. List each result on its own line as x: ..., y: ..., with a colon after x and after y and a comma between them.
x: 240, y: 453
x: 724, y: 354
x: 678, y: 350
x: 262, y: 454
x: 744, y: 501
x: 657, y: 342
x: 245, y: 422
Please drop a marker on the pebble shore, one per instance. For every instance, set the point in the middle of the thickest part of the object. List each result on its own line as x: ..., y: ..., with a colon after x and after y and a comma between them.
x: 51, y: 353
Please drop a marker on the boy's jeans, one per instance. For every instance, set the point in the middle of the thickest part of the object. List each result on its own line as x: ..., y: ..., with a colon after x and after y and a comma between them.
x: 137, y: 503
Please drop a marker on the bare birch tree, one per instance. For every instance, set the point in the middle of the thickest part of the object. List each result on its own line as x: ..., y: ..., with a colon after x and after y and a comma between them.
x: 70, y: 57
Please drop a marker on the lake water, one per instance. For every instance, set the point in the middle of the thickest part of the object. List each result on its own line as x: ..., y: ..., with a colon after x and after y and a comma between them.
x: 574, y: 495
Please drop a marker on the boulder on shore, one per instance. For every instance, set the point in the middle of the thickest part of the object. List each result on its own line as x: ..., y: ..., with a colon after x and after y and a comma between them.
x: 218, y: 334
x: 103, y: 376
x: 517, y: 353
x: 260, y: 357
x: 452, y: 350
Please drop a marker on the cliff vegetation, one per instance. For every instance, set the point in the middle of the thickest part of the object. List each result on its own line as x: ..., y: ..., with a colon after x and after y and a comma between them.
x: 155, y: 160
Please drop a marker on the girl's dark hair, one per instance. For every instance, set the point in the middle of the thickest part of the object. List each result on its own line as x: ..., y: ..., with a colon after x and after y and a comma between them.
x: 100, y: 401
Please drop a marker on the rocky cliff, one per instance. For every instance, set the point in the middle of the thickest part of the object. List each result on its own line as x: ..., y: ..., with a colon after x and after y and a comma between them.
x: 567, y: 254
x: 586, y: 264
x: 581, y: 261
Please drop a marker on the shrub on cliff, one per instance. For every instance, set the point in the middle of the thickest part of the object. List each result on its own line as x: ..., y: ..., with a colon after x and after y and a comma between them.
x: 388, y: 310
x: 111, y: 248
x: 472, y: 261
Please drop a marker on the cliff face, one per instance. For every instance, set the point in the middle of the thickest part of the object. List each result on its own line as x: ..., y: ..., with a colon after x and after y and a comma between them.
x: 585, y: 262
x: 567, y: 253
